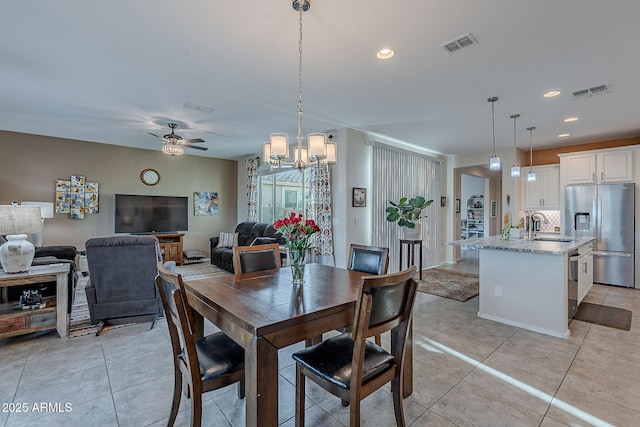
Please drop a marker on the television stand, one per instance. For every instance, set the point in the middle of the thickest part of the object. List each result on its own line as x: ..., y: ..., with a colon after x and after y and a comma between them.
x: 170, y: 246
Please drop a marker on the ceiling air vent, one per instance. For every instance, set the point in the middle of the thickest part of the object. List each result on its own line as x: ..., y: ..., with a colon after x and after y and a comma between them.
x: 459, y: 43
x: 596, y: 90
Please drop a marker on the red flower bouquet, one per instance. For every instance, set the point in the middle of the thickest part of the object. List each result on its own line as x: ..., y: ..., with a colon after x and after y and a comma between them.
x: 297, y: 235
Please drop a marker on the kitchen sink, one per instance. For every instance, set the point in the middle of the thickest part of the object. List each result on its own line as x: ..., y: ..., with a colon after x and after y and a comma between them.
x: 552, y: 239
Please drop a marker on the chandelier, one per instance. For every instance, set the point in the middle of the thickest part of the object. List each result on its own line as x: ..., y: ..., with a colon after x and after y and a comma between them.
x: 173, y: 149
x: 319, y: 149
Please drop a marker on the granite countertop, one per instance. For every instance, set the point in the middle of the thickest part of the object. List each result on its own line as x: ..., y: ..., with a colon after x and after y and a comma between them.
x: 523, y: 245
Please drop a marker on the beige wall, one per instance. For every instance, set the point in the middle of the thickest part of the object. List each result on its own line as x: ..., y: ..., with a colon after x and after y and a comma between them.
x: 31, y: 164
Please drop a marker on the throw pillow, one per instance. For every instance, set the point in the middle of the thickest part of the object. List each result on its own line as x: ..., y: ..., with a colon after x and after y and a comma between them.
x: 227, y: 240
x: 192, y: 253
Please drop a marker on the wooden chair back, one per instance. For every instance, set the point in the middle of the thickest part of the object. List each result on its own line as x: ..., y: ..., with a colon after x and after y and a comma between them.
x: 181, y: 330
x: 247, y: 259
x: 368, y: 259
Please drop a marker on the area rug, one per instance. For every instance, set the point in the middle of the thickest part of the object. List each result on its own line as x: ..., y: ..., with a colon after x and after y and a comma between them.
x: 449, y: 284
x: 604, y: 315
x: 80, y: 323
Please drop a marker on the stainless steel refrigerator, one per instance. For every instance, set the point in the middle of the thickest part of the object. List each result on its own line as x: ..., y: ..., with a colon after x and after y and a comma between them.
x: 606, y: 212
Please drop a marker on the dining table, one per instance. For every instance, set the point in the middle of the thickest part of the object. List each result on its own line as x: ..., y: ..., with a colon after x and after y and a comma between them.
x: 264, y: 311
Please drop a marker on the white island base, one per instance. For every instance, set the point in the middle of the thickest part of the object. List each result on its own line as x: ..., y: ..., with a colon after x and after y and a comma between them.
x: 525, y: 289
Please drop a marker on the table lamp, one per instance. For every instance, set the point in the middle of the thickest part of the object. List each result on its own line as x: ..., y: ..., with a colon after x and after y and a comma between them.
x: 16, y: 222
x: 46, y: 210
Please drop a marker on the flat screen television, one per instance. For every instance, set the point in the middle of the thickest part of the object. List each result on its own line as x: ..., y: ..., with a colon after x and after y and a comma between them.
x: 151, y: 214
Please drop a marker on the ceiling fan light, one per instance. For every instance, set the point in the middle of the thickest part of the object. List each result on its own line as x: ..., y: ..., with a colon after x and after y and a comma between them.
x: 173, y: 149
x: 515, y: 171
x: 279, y: 145
x: 494, y: 163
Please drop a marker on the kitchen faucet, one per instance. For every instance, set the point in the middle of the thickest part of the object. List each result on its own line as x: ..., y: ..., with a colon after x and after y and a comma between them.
x: 532, y: 221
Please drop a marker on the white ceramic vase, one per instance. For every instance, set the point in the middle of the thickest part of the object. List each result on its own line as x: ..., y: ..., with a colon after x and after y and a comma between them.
x: 17, y: 253
x: 413, y: 233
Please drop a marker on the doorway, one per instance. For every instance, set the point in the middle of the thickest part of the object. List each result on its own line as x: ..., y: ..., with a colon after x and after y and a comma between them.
x: 480, y: 192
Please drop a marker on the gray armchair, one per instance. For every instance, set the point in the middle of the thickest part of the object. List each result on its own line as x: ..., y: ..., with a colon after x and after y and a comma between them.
x: 122, y: 272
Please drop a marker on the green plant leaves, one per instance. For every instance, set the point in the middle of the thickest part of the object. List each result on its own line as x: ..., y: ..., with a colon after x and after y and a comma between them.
x: 407, y: 211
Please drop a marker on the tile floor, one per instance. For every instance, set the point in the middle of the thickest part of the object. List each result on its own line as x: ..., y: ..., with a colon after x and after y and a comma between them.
x: 468, y: 372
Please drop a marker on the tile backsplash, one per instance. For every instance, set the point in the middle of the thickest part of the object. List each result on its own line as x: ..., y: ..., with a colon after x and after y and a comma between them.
x: 552, y: 216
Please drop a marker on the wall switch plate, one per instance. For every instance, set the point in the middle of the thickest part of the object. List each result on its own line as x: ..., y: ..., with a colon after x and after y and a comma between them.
x: 497, y: 291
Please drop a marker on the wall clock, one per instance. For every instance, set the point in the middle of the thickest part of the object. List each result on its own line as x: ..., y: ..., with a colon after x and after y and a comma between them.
x: 149, y: 177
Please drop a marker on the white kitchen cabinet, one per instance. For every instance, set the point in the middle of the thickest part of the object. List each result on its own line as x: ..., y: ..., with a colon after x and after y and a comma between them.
x: 544, y: 192
x: 585, y: 275
x: 597, y: 167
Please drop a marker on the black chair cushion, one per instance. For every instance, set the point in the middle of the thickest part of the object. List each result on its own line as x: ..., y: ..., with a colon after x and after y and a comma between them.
x: 218, y: 355
x: 331, y: 360
x: 257, y: 261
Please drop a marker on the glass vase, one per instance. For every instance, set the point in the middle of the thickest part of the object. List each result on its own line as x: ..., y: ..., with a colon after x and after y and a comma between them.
x: 296, y: 258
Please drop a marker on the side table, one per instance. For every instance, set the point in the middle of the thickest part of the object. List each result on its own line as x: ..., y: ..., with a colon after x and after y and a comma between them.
x: 411, y: 254
x: 54, y: 315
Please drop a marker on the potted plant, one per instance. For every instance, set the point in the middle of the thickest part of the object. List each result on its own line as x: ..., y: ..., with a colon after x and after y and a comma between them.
x: 407, y: 212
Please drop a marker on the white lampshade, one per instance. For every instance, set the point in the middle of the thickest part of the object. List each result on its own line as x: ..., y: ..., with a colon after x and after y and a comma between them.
x: 266, y: 152
x: 46, y: 208
x: 332, y: 153
x: 279, y: 145
x: 20, y: 219
x: 531, y: 176
x: 494, y: 163
x: 304, y: 156
x: 515, y: 171
x: 317, y: 146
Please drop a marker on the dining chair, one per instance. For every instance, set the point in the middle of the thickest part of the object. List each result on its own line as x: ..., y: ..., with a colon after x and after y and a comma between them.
x: 351, y: 367
x: 203, y: 364
x: 369, y: 259
x: 247, y: 259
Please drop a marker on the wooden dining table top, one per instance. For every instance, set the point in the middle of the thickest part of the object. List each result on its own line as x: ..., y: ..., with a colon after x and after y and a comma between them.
x: 265, y: 302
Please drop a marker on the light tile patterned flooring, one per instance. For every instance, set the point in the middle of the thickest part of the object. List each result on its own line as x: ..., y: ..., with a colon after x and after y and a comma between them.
x: 468, y: 372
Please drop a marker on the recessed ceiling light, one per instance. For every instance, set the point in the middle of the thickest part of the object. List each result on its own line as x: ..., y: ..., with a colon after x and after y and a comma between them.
x: 385, y: 53
x: 551, y: 94
x: 563, y: 135
x: 570, y: 119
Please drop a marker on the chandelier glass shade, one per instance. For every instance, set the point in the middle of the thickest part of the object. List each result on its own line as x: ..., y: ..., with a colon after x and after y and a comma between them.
x: 515, y: 169
x: 319, y: 149
x: 173, y: 149
x: 495, y: 163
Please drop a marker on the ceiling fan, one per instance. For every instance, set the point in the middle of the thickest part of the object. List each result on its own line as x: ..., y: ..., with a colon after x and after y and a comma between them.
x: 175, y: 139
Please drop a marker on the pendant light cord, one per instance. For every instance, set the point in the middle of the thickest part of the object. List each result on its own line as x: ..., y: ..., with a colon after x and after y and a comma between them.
x: 300, y: 112
x: 493, y: 125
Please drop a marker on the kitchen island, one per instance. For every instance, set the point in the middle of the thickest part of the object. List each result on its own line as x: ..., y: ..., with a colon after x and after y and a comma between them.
x: 525, y: 283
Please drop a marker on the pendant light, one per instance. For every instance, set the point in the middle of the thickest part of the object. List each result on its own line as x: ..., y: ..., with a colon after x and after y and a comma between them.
x: 531, y: 176
x: 494, y: 160
x: 515, y: 169
x: 318, y: 151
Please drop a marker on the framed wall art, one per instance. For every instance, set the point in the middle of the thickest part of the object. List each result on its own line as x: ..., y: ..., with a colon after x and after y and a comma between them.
x: 205, y: 203
x: 359, y: 198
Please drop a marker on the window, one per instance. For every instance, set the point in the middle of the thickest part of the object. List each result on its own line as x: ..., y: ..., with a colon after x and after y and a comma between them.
x: 282, y: 192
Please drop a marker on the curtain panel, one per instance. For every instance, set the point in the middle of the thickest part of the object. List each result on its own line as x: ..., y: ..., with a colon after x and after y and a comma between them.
x: 396, y: 175
x: 252, y: 189
x: 320, y: 209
